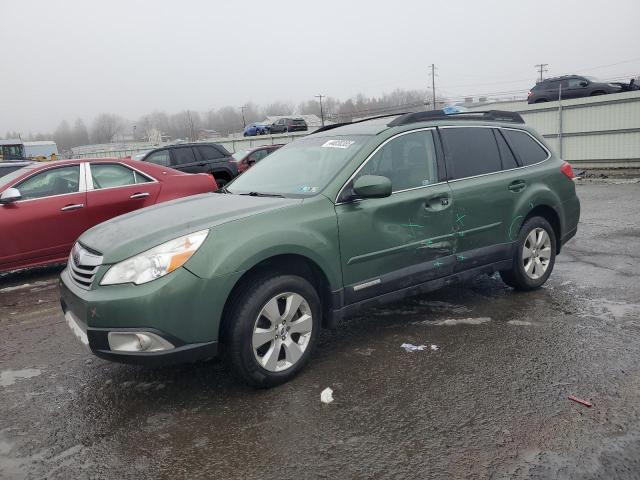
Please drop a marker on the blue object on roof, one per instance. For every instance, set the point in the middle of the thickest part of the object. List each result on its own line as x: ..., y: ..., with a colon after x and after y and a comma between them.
x: 454, y: 109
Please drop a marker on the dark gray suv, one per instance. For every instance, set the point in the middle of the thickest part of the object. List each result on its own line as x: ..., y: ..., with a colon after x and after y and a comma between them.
x: 573, y: 86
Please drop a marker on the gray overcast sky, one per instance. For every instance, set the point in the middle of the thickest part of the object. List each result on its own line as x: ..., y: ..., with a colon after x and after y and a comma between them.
x: 78, y: 58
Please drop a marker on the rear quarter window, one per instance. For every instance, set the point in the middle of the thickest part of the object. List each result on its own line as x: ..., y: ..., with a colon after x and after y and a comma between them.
x: 528, y: 150
x: 471, y: 151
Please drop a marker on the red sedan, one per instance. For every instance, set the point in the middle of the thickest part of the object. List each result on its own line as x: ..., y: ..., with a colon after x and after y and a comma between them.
x: 45, y: 207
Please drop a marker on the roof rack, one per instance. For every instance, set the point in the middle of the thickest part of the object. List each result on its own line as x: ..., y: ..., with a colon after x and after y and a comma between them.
x: 489, y: 115
x: 336, y: 125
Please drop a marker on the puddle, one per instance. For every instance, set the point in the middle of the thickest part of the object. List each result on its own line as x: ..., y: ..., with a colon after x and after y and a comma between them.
x: 9, y: 377
x: 455, y: 321
x: 521, y: 323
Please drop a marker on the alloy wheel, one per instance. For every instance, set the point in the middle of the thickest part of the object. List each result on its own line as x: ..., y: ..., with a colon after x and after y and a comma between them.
x: 282, y: 331
x: 536, y: 253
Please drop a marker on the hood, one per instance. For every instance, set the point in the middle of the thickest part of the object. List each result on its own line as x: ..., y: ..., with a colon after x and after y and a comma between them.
x: 135, y: 232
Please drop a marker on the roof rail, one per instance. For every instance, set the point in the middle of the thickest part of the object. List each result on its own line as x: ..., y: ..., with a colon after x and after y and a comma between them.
x: 489, y: 115
x: 336, y: 125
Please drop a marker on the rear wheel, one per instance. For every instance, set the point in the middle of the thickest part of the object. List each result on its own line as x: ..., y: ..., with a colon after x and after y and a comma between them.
x: 534, y: 257
x: 271, y: 329
x: 221, y: 181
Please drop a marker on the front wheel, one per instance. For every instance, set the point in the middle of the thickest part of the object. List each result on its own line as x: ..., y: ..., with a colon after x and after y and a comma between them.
x: 271, y: 329
x: 534, y: 256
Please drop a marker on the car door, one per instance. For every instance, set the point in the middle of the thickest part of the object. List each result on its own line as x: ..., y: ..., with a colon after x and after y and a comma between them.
x: 47, y: 220
x: 209, y: 156
x: 184, y: 159
x: 391, y: 243
x: 484, y: 193
x: 575, y: 88
x: 256, y: 156
x: 115, y: 189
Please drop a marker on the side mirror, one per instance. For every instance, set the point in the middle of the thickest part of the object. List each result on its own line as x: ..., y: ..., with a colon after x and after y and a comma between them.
x: 10, y: 195
x: 583, y: 84
x: 372, y: 186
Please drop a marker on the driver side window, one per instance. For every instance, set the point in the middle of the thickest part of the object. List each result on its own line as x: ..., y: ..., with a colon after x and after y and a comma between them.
x: 408, y: 160
x: 55, y: 181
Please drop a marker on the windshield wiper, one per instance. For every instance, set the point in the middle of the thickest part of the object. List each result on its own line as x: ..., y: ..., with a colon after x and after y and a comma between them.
x: 263, y: 194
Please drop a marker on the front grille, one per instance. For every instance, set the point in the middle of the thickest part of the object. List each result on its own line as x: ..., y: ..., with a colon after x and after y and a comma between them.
x: 83, y: 265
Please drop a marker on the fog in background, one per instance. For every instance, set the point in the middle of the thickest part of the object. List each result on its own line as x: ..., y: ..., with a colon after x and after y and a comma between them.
x: 69, y: 60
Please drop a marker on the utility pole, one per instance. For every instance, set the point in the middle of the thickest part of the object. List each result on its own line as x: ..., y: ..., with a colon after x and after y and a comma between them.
x: 541, y: 69
x: 433, y: 84
x: 242, y: 109
x: 321, y: 111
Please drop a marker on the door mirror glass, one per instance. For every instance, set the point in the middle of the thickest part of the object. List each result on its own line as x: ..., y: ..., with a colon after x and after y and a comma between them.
x: 10, y: 195
x: 372, y: 186
x: 584, y: 84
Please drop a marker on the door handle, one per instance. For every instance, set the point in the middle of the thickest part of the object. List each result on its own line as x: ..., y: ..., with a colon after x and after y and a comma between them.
x: 201, y: 164
x: 72, y: 206
x: 517, y: 186
x: 140, y: 195
x: 438, y: 202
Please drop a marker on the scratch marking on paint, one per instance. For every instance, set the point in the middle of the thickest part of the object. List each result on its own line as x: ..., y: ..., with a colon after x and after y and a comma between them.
x: 459, y: 219
x: 437, y: 264
x: 511, y: 226
x: 461, y: 258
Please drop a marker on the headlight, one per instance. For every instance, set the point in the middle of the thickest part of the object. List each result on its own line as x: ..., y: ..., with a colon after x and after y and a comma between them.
x: 155, y: 263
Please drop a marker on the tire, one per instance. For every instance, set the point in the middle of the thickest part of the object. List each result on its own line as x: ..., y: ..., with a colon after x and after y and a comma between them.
x: 221, y: 182
x: 253, y: 355
x: 532, y: 272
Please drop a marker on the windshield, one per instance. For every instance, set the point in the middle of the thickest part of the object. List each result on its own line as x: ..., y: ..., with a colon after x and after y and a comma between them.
x: 300, y: 169
x: 12, y: 152
x: 239, y: 155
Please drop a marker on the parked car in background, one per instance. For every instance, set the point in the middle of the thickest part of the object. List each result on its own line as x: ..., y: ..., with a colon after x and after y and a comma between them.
x: 247, y: 158
x: 211, y: 158
x: 11, y: 166
x: 254, y: 129
x: 329, y: 225
x: 573, y: 86
x: 288, y: 124
x: 44, y: 207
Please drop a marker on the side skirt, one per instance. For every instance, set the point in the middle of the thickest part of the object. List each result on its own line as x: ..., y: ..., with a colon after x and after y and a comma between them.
x: 338, y: 314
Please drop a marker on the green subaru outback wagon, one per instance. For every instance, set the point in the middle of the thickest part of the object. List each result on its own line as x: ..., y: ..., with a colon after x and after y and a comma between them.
x: 346, y: 218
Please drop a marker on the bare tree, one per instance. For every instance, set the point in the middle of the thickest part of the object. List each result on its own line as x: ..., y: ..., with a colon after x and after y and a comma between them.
x: 105, y: 128
x: 79, y: 134
x: 63, y: 136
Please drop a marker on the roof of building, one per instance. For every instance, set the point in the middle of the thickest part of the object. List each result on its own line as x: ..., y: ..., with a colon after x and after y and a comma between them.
x: 12, y: 141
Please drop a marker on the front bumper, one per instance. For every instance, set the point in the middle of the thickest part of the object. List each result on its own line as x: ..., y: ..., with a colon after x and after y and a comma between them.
x: 182, y: 308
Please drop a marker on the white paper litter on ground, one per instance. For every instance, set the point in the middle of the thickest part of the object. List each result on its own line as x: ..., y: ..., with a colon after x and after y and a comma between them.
x: 409, y: 347
x: 435, y: 348
x: 326, y: 396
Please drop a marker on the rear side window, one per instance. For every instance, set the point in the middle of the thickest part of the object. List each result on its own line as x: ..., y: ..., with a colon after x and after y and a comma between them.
x: 159, y: 158
x: 109, y: 175
x: 183, y: 155
x: 209, y: 153
x: 525, y: 147
x: 506, y: 155
x: 471, y: 151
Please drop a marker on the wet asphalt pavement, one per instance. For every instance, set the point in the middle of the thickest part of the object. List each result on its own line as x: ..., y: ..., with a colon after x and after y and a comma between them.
x: 490, y: 402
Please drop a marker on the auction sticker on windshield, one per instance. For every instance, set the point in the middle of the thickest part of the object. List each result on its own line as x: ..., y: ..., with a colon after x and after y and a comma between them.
x: 338, y: 143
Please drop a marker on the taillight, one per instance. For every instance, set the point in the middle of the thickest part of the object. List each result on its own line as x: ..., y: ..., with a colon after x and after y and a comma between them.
x: 567, y: 170
x: 529, y: 94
